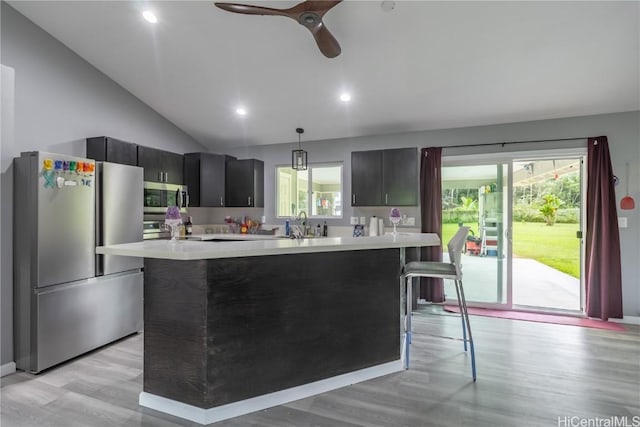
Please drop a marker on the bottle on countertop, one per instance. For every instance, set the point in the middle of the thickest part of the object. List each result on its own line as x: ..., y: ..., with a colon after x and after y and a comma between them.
x: 325, y: 230
x: 188, y: 225
x: 318, y: 231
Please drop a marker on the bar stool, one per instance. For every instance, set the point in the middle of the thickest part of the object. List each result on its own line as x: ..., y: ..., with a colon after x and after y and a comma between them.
x: 443, y: 270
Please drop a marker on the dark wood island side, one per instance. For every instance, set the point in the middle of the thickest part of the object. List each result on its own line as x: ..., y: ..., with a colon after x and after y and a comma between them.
x: 227, y: 334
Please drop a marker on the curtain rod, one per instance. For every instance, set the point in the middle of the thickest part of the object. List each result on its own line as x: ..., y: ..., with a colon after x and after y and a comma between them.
x: 515, y: 142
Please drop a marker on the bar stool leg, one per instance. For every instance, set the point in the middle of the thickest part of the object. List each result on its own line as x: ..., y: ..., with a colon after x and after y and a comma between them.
x: 409, y: 306
x: 463, y: 301
x: 408, y: 283
x: 462, y: 319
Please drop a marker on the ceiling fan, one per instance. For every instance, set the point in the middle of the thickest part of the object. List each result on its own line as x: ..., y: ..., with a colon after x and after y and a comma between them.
x: 308, y: 13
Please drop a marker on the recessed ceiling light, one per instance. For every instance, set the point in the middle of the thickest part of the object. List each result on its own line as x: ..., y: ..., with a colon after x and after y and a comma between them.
x: 241, y: 111
x: 149, y: 16
x: 345, y: 97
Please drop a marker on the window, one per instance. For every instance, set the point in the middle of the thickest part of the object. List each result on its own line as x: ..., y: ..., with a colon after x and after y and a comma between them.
x: 316, y: 191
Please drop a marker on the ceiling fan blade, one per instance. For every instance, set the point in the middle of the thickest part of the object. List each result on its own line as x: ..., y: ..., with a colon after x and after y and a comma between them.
x: 308, y: 14
x: 320, y: 6
x: 326, y: 42
x: 251, y: 10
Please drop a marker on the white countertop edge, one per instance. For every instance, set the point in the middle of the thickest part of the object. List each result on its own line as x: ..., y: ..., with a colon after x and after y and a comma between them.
x: 195, y: 250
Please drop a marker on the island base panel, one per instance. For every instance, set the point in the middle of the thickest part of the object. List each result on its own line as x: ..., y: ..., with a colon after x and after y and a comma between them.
x: 220, y: 331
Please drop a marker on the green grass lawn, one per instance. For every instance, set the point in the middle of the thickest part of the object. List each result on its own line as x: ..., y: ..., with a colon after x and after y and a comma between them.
x: 555, y: 246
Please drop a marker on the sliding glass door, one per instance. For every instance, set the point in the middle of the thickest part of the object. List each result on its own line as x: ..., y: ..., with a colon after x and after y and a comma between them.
x: 547, y: 224
x: 525, y: 216
x: 476, y: 195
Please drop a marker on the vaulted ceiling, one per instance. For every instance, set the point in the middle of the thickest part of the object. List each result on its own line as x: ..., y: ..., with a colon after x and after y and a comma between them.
x: 408, y: 65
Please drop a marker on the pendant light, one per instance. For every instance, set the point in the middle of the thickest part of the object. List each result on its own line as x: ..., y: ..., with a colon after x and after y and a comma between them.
x: 299, y: 156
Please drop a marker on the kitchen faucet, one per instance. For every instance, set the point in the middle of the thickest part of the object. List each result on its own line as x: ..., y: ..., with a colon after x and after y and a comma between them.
x: 304, y: 226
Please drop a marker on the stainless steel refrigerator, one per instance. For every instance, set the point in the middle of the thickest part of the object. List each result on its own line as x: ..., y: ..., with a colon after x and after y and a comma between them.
x: 68, y: 300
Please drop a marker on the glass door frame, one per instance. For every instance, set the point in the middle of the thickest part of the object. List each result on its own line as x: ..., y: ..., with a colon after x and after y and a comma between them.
x: 508, y: 159
x: 488, y: 160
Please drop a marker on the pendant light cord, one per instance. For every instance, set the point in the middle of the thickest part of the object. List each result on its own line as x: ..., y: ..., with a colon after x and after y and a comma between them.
x: 300, y: 132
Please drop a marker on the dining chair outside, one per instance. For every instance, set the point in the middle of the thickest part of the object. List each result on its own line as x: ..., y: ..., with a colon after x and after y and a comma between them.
x: 444, y: 270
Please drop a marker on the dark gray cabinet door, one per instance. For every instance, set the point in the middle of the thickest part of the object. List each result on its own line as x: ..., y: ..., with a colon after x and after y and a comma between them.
x: 366, y: 178
x: 106, y: 149
x: 160, y: 165
x: 245, y: 183
x: 205, y: 177
x: 384, y: 177
x: 151, y: 160
x: 400, y: 177
x: 172, y: 164
x: 258, y: 183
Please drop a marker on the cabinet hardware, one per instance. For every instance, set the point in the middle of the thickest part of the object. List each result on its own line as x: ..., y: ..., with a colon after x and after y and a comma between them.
x: 249, y: 201
x: 221, y: 201
x: 386, y: 199
x: 353, y: 199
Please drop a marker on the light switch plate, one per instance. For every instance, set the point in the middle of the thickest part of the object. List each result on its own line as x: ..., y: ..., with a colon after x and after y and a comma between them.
x: 363, y: 220
x: 622, y: 222
x: 354, y: 220
x: 411, y: 220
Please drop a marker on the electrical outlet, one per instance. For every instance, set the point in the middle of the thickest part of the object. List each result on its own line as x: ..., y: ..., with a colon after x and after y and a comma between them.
x: 622, y: 222
x: 411, y: 220
x: 354, y: 220
x: 363, y: 220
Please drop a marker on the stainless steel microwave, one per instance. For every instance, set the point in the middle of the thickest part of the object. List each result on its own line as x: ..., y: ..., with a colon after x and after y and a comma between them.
x: 158, y: 196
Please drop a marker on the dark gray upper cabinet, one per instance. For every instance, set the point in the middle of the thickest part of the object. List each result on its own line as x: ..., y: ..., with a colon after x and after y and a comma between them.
x: 400, y: 177
x: 366, y: 182
x: 384, y: 177
x: 160, y: 165
x: 245, y: 183
x: 106, y: 149
x: 205, y: 177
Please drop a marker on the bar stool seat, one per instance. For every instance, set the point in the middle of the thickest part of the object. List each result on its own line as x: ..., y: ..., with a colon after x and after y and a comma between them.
x: 443, y: 270
x: 430, y: 269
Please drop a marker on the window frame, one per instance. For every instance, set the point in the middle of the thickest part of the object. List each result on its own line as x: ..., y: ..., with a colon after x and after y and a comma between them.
x: 310, y: 168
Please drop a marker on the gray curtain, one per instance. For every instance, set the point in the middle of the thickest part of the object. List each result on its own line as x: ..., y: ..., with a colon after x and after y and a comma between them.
x: 603, y: 271
x: 431, y: 289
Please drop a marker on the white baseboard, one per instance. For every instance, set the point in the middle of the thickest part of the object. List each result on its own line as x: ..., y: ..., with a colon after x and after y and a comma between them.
x: 7, y: 369
x: 235, y: 409
x: 629, y: 320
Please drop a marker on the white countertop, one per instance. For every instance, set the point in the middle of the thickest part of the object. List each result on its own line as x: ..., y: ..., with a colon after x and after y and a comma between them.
x: 232, y: 236
x: 194, y: 250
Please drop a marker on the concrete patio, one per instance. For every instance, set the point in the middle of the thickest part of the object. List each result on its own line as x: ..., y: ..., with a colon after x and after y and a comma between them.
x: 534, y: 284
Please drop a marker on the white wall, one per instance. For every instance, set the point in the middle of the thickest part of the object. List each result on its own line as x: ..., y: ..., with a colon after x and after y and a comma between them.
x: 6, y: 252
x: 622, y: 130
x: 60, y: 100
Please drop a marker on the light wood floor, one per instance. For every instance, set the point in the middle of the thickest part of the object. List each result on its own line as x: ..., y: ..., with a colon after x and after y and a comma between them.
x: 529, y: 374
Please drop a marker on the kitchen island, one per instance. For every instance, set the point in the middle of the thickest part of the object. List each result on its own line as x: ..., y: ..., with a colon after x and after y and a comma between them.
x: 235, y: 327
